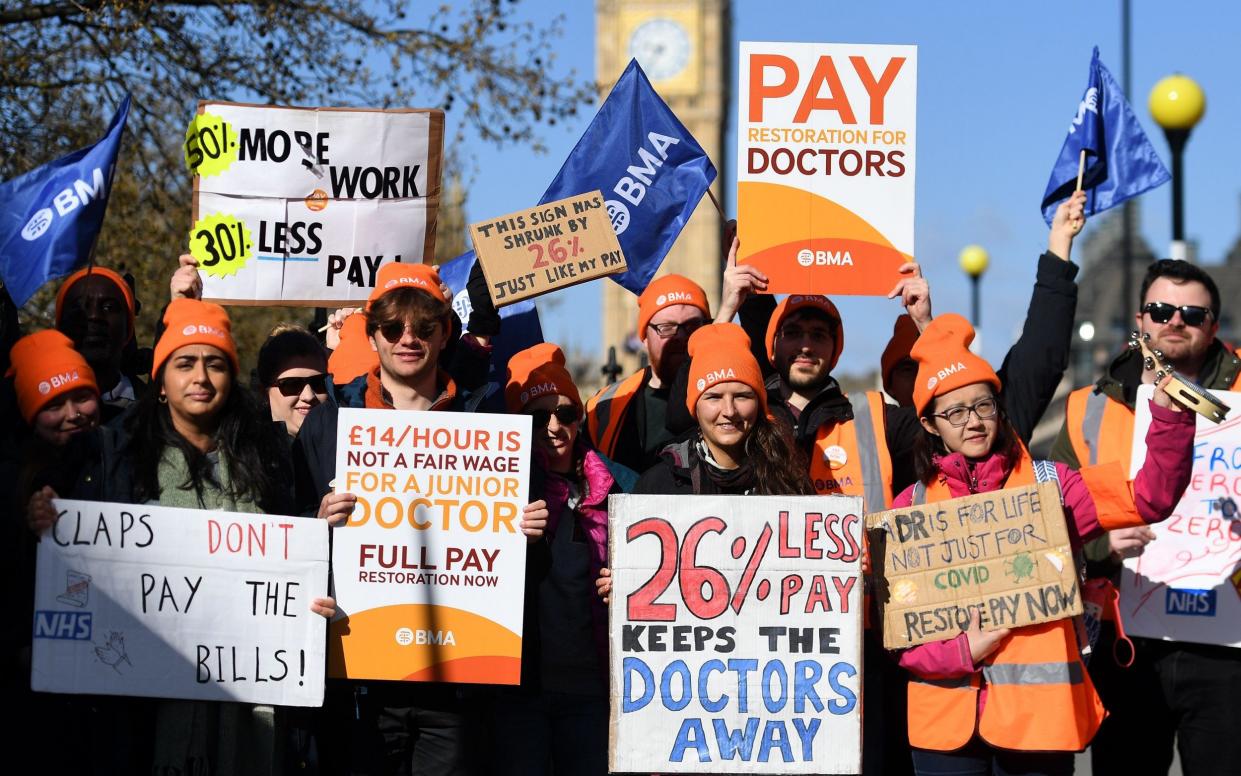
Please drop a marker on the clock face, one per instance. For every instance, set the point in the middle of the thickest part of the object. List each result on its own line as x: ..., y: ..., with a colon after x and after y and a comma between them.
x: 661, y: 47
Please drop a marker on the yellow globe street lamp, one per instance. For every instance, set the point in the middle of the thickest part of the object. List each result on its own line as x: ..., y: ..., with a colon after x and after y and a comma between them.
x: 1177, y: 104
x: 973, y: 261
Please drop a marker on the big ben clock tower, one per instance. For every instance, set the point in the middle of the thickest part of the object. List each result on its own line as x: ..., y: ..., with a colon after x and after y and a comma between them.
x: 683, y: 46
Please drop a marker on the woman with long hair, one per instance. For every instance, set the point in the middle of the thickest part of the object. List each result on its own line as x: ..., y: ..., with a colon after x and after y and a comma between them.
x: 200, y: 440
x: 738, y: 448
x: 557, y: 721
x: 1014, y: 700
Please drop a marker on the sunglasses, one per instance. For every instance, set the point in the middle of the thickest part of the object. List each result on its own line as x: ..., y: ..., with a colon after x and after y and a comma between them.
x: 293, y: 386
x: 393, y: 331
x: 1162, y: 312
x: 566, y: 414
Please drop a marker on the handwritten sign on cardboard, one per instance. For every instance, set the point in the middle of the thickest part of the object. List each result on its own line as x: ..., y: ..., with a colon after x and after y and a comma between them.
x: 1005, y: 554
x: 547, y: 247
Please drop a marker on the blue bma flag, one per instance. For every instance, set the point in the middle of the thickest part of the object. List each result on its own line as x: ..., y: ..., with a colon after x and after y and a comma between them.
x: 1120, y: 160
x: 520, y: 327
x: 651, y: 170
x: 50, y: 216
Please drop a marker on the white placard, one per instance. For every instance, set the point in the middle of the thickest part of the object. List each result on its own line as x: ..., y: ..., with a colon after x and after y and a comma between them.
x: 324, y: 197
x: 735, y: 628
x: 1186, y: 585
x: 430, y: 569
x: 180, y: 603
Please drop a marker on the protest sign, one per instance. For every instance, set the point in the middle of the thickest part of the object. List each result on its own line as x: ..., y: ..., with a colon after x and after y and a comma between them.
x: 825, y: 164
x: 735, y: 627
x: 547, y: 247
x: 1005, y: 554
x: 301, y: 206
x: 1186, y: 584
x: 180, y: 603
x: 429, y: 571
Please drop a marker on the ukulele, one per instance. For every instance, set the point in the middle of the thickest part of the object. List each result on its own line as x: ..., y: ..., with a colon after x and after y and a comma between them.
x: 1179, y: 387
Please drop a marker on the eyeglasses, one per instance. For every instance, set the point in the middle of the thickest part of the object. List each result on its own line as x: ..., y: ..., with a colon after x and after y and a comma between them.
x: 393, y: 331
x: 666, y: 330
x: 959, y: 416
x: 293, y: 386
x: 1162, y: 312
x: 566, y: 414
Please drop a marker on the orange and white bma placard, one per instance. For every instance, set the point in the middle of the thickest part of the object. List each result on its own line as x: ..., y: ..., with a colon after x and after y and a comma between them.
x: 429, y: 571
x: 825, y: 164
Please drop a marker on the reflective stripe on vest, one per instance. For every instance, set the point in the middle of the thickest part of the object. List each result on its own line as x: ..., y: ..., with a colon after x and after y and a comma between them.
x: 1034, y: 673
x: 866, y: 468
x: 605, y: 412
x: 1039, y: 697
x: 1092, y: 423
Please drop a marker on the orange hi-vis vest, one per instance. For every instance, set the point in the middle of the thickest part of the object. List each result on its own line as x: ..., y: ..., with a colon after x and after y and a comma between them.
x: 1039, y: 695
x: 606, y: 411
x: 852, y: 458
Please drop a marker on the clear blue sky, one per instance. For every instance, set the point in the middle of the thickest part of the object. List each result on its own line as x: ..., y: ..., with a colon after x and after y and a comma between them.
x: 998, y: 85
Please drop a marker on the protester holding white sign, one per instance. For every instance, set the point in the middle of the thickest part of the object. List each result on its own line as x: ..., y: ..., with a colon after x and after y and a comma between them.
x: 408, y: 324
x: 198, y: 441
x: 1039, y: 705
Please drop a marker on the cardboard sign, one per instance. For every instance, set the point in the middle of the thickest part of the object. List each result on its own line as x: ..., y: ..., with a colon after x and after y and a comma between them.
x: 825, y: 164
x: 735, y: 627
x: 1186, y: 585
x: 301, y: 206
x: 1005, y: 554
x: 547, y: 247
x: 180, y: 603
x: 429, y: 572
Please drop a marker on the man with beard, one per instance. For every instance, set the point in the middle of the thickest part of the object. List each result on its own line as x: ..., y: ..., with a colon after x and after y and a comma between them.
x: 95, y: 308
x: 626, y: 420
x: 1173, y: 689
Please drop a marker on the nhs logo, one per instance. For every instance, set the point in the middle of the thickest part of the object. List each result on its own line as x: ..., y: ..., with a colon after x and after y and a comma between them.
x: 1199, y: 603
x: 62, y: 625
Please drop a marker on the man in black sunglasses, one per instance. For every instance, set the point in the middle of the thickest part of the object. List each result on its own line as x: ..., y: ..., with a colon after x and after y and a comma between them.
x: 1174, y: 689
x: 380, y: 727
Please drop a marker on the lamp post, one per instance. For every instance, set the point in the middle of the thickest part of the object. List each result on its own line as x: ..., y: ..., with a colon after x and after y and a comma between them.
x: 1177, y: 104
x: 973, y: 260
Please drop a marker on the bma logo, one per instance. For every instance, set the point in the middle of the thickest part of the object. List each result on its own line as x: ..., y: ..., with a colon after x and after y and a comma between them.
x: 64, y: 378
x: 37, y: 225
x: 711, y: 378
x: 68, y: 200
x: 404, y: 636
x: 946, y: 371
x: 674, y: 297
x: 618, y: 214
x: 542, y: 389
x: 808, y: 258
x: 462, y: 307
x: 406, y: 281
x: 201, y: 328
x: 1197, y: 603
x: 435, y: 637
x: 930, y: 384
x: 74, y: 626
x: 1089, y: 103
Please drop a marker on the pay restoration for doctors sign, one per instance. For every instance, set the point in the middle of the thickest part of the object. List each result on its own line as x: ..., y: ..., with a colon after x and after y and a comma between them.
x: 825, y: 164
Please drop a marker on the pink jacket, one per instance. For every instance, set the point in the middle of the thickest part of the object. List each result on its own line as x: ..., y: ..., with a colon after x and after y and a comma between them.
x: 1158, y: 487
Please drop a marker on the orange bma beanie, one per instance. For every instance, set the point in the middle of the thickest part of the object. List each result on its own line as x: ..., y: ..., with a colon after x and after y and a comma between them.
x: 423, y: 277
x: 945, y: 362
x: 106, y: 274
x: 797, y: 302
x: 668, y: 291
x: 191, y: 322
x: 44, y: 365
x: 538, y: 371
x: 720, y: 353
